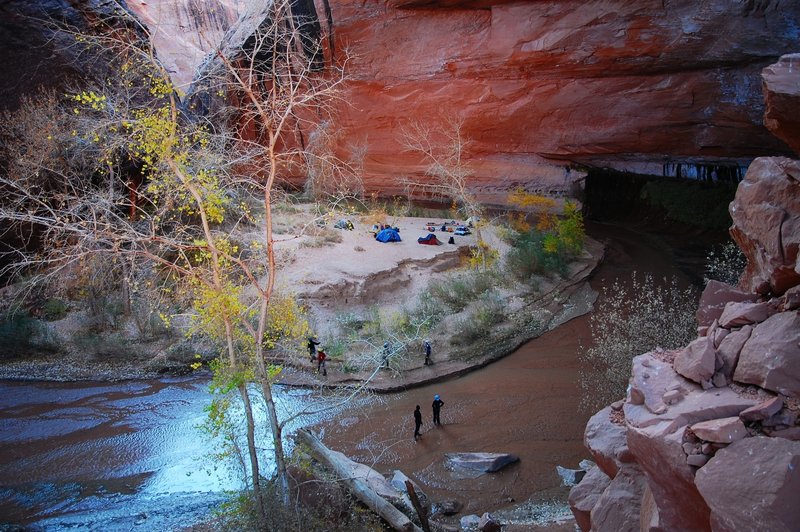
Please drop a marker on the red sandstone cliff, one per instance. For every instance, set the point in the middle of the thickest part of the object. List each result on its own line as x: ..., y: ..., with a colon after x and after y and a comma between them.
x: 538, y: 83
x: 625, y: 83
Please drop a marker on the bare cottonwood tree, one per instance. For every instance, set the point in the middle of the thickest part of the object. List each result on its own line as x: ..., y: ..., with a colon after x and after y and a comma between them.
x: 443, y: 147
x: 128, y: 170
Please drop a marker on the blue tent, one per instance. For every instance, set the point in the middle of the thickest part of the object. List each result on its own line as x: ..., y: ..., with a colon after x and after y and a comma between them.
x: 388, y: 235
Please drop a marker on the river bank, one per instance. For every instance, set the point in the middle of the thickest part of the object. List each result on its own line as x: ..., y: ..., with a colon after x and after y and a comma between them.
x: 385, y: 275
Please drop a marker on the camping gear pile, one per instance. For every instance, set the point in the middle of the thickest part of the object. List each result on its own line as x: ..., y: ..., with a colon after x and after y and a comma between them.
x: 344, y: 223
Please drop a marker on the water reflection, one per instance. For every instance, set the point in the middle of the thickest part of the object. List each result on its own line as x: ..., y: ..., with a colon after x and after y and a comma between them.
x: 109, y: 456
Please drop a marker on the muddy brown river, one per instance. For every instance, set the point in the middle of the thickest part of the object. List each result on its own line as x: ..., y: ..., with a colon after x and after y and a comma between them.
x: 131, y: 455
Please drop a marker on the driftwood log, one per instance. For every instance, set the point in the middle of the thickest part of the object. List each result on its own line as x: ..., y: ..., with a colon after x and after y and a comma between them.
x: 394, y: 517
x: 423, y: 515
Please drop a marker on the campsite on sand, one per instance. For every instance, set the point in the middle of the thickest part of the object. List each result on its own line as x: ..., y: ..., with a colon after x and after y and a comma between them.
x: 347, y: 278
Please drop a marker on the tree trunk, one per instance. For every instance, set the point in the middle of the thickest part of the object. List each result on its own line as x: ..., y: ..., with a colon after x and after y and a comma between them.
x: 251, y: 450
x: 394, y: 517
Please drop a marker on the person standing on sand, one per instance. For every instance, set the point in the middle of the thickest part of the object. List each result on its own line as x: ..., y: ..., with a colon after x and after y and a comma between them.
x: 312, y: 348
x: 417, y: 422
x: 437, y: 406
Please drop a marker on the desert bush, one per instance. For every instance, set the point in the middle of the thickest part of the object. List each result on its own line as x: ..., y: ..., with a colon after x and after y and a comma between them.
x: 21, y: 335
x: 147, y: 318
x: 528, y: 257
x: 457, y: 291
x: 105, y: 346
x: 725, y: 263
x: 548, y: 247
x: 486, y: 312
x: 324, y: 236
x: 335, y: 348
x: 454, y: 292
x: 633, y: 318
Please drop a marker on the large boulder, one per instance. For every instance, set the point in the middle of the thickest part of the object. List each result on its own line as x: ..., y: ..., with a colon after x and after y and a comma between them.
x: 781, y: 85
x: 656, y: 430
x: 729, y: 349
x: 584, y: 496
x: 697, y: 360
x: 753, y: 484
x: 766, y: 224
x: 399, y: 480
x: 771, y: 356
x: 762, y: 411
x: 482, y: 462
x: 714, y: 298
x: 607, y: 442
x: 723, y: 430
x: 740, y: 314
x: 619, y: 507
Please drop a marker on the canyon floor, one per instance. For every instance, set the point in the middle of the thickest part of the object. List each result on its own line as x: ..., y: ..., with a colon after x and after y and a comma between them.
x: 528, y: 404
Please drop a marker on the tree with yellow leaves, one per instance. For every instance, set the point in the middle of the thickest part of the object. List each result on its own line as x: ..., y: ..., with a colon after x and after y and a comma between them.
x: 127, y: 169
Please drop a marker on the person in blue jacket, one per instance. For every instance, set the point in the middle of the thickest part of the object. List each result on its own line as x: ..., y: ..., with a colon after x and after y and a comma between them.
x: 437, y: 406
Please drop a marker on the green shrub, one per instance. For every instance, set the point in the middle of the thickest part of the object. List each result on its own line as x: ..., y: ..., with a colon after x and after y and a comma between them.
x: 459, y: 290
x: 54, y: 309
x: 453, y: 292
x: 22, y: 335
x: 105, y: 346
x: 426, y: 314
x: 696, y: 204
x: 529, y: 256
x: 486, y: 313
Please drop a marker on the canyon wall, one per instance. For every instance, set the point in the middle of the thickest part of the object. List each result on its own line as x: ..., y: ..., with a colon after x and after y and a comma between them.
x: 708, y: 437
x: 538, y: 85
x: 630, y: 84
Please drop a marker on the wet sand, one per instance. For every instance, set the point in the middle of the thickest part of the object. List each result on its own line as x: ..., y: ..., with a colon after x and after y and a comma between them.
x: 526, y: 404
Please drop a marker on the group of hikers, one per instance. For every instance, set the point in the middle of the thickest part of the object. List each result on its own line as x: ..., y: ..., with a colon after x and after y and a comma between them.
x: 437, y: 407
x: 318, y: 354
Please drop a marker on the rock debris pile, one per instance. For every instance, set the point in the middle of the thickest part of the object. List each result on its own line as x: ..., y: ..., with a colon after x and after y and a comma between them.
x: 708, y: 435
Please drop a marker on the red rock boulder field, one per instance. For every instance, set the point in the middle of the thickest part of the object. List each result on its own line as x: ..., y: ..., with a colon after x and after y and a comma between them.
x: 538, y: 84
x: 712, y: 429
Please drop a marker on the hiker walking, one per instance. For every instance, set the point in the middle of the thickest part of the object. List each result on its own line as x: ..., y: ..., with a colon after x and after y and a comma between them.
x: 321, y: 358
x: 437, y: 406
x: 386, y: 353
x: 312, y: 348
x: 417, y: 422
x: 426, y: 347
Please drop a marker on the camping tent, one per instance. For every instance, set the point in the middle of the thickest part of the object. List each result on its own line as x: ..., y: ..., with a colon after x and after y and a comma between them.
x: 430, y: 240
x: 388, y: 235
